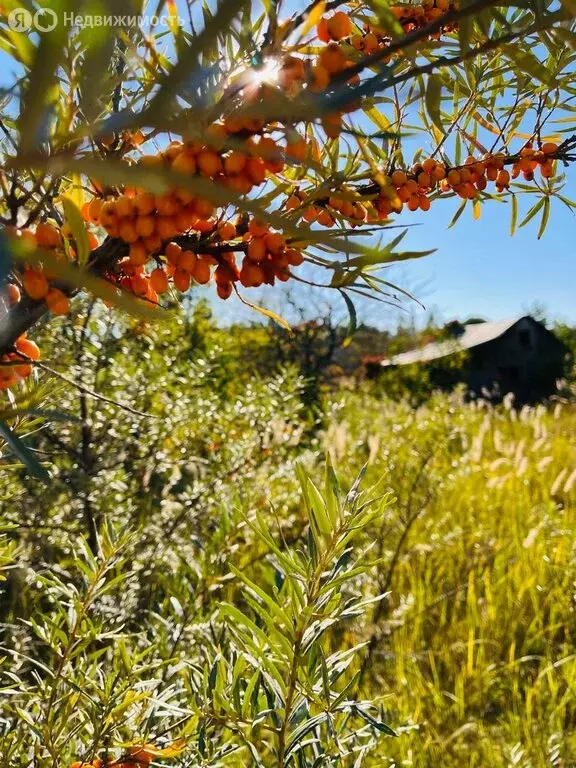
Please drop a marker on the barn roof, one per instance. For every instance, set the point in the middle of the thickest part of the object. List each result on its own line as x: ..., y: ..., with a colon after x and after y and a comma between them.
x: 474, y: 335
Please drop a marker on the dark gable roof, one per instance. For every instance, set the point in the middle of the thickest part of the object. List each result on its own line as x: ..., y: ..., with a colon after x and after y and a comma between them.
x: 474, y: 335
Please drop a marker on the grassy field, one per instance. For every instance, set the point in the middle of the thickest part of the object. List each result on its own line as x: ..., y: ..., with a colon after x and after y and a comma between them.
x: 474, y: 650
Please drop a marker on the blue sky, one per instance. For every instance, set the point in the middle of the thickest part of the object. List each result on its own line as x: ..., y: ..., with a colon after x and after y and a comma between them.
x: 480, y: 269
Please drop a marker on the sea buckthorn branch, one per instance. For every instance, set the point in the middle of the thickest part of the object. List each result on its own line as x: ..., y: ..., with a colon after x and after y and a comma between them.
x: 418, y: 35
x: 158, y: 243
x: 471, y: 53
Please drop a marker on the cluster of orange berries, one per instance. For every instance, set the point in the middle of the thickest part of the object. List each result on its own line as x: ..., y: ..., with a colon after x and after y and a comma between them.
x: 267, y: 257
x: 412, y: 188
x: 530, y: 159
x: 135, y: 757
x: 35, y: 281
x: 146, y: 221
x: 338, y: 32
x: 411, y: 18
x: 17, y: 365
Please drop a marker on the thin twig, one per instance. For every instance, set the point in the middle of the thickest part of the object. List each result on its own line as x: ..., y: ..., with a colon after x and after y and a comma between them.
x: 88, y: 392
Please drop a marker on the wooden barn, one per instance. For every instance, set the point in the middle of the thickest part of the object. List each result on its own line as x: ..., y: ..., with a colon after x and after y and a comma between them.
x: 519, y: 355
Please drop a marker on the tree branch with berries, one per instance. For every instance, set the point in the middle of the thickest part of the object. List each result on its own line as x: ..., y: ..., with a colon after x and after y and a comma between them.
x: 250, y: 151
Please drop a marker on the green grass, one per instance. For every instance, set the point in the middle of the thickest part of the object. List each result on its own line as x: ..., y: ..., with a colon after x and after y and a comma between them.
x: 476, y: 643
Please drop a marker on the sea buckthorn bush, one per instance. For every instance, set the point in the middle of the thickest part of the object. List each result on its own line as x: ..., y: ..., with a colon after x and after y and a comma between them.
x: 177, y: 638
x: 244, y: 155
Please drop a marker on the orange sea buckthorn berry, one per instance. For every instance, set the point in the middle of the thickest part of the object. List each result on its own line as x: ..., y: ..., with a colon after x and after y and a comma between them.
x: 47, y: 236
x: 187, y: 261
x: 428, y: 165
x: 398, y: 178
x: 549, y: 147
x: 339, y: 26
x: 275, y: 243
x: 173, y: 253
x: 256, y: 249
x: 13, y: 295
x: 332, y: 125
x: 127, y: 230
x: 209, y: 163
x: 439, y: 173
x: 145, y: 225
x: 216, y: 136
x: 205, y: 225
x: 185, y: 219
x: 424, y: 203
x: 107, y: 214
x: 57, y: 302
x: 322, y: 31
x: 332, y: 59
x: 320, y: 78
x: 292, y: 202
x: 503, y: 178
x: 296, y: 149
x: 454, y: 178
x: 491, y: 173
x: 138, y: 254
x: 203, y: 208
x: 184, y: 163
x: 27, y: 348
x: 167, y: 205
x: 295, y: 257
x: 201, y: 272
x: 124, y: 207
x: 370, y: 44
x: 7, y: 377
x: 226, y: 230
x: 139, y: 285
x: 255, y: 170
x: 235, y: 163
x: 35, y: 284
x: 233, y: 123
x: 224, y: 290
x: 166, y: 227
x: 324, y: 219
x: 153, y: 243
x: 270, y: 153
x: 141, y: 754
x: 159, y: 280
x: 257, y: 228
x: 94, y: 207
x: 424, y: 180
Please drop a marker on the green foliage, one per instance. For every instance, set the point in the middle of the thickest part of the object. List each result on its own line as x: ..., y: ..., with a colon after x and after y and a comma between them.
x: 240, y: 611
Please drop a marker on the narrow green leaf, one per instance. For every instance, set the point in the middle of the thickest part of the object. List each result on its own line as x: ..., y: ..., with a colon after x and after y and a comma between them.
x: 78, y: 227
x: 532, y: 212
x: 23, y: 453
x: 433, y: 99
x: 545, y: 217
x: 514, y: 214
